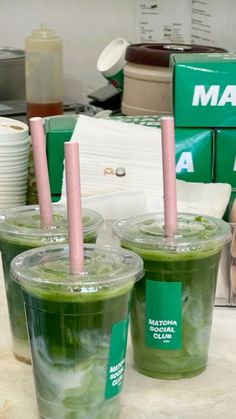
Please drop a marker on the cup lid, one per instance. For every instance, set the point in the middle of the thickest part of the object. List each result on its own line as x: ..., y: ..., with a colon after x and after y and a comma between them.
x: 158, y: 54
x: 13, y: 127
x: 194, y: 232
x: 47, y: 269
x: 24, y: 223
x: 44, y: 32
x: 112, y: 58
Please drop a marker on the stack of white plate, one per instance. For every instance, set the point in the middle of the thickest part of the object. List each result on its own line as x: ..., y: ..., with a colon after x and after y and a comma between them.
x: 14, y: 155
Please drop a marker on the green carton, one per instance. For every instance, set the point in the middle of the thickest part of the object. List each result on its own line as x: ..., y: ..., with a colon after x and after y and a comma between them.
x: 225, y: 158
x: 193, y: 149
x: 58, y: 130
x: 194, y: 155
x: 204, y: 90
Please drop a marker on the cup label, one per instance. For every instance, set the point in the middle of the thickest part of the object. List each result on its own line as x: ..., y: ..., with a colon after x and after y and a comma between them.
x: 163, y: 315
x: 117, y: 79
x: 116, y: 360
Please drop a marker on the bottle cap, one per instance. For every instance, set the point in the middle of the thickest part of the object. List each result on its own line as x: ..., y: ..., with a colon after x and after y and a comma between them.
x: 43, y: 32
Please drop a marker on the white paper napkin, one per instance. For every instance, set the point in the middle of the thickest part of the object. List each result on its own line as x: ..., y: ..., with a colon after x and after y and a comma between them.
x: 107, y: 147
x: 203, y: 198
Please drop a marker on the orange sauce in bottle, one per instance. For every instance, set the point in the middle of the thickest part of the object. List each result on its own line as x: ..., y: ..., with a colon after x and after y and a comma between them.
x: 44, y: 109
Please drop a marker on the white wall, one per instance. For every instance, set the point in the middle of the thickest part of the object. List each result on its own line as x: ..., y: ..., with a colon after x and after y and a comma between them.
x: 86, y: 27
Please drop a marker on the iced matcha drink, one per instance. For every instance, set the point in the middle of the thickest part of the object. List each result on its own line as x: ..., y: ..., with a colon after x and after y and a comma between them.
x: 20, y: 230
x: 77, y: 327
x: 172, y: 305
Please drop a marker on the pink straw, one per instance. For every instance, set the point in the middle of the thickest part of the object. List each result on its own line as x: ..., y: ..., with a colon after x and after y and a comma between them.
x: 41, y: 171
x: 74, y: 211
x: 169, y: 175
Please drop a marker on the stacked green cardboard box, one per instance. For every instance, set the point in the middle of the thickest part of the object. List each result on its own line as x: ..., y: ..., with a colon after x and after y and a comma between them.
x: 204, y: 95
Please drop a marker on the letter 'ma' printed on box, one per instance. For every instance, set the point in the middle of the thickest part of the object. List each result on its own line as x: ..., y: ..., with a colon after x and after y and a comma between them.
x: 194, y: 154
x: 204, y: 90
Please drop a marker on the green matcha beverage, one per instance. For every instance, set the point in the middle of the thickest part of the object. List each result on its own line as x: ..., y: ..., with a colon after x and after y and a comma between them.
x: 172, y: 305
x: 20, y: 230
x: 77, y: 327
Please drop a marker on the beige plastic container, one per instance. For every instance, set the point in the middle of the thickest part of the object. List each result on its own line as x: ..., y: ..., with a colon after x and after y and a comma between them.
x: 148, y: 77
x: 147, y: 90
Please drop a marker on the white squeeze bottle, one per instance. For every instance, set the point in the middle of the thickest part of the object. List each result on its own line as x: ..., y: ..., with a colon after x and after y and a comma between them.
x: 44, y: 73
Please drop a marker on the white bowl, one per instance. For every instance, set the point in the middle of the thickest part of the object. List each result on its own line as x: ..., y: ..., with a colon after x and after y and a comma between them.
x: 12, y: 197
x: 12, y: 203
x: 17, y: 172
x: 16, y: 143
x: 5, y: 154
x: 12, y: 127
x: 14, y: 171
x: 11, y: 192
x: 12, y: 180
x: 10, y: 189
x: 4, y: 180
x: 14, y: 146
x: 7, y: 159
x: 14, y: 165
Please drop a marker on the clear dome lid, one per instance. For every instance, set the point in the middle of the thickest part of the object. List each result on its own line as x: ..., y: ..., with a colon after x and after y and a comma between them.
x: 46, y: 269
x: 23, y: 224
x: 194, y: 232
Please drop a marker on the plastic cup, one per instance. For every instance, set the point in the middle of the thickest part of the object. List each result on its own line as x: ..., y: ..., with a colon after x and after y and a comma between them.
x: 226, y: 281
x: 20, y: 230
x: 172, y: 305
x: 77, y: 327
